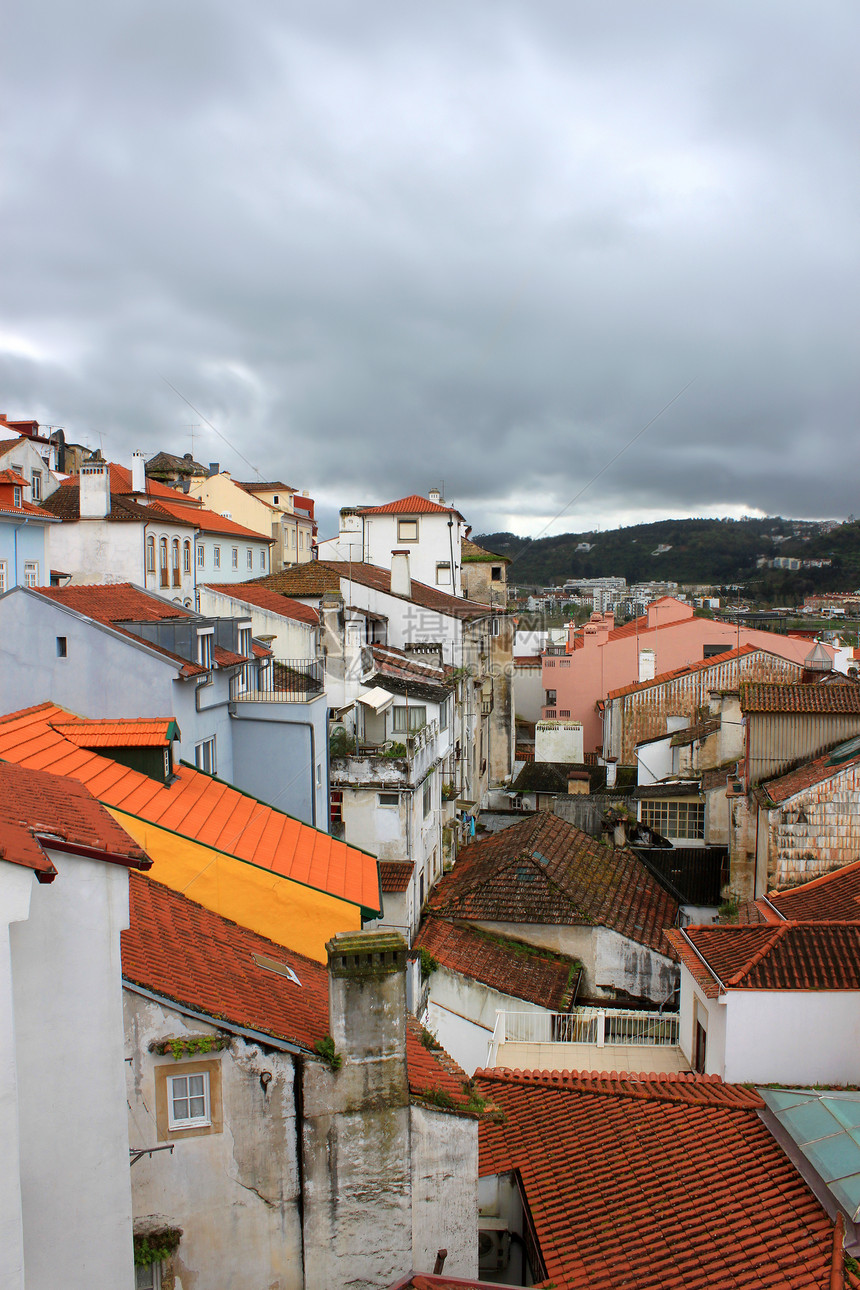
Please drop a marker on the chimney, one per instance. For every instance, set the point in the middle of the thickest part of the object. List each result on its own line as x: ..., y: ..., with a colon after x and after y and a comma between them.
x: 401, y: 581
x: 353, y: 641
x: 94, y: 490
x: 611, y: 771
x: 647, y: 665
x: 436, y: 496
x: 214, y: 468
x: 367, y: 1006
x: 138, y: 472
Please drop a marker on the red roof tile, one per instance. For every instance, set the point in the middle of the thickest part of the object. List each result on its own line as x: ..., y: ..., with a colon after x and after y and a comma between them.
x: 131, y: 732
x: 27, y: 508
x: 120, y: 483
x: 207, y: 521
x: 689, y: 669
x: 414, y: 504
x: 544, y: 870
x: 319, y: 576
x: 35, y: 804
x: 187, y: 954
x: 200, y: 807
x: 250, y: 593
x: 764, y: 956
x: 807, y: 776
x: 118, y: 602
x: 761, y: 696
x: 834, y: 897
x: 654, y: 1183
x: 500, y: 962
x: 395, y: 875
x: 13, y: 477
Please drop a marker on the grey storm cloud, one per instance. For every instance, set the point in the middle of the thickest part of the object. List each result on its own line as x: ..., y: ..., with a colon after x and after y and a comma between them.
x: 378, y: 246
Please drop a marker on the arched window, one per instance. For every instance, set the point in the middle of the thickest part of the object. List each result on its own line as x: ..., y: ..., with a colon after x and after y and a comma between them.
x: 163, y: 562
x: 186, y: 557
x: 175, y: 562
x: 150, y: 554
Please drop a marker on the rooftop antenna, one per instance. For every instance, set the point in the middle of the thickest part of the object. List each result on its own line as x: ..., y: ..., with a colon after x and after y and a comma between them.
x: 192, y: 428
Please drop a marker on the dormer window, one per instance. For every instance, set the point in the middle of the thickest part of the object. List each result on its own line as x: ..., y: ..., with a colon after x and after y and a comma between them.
x: 245, y: 646
x: 204, y: 647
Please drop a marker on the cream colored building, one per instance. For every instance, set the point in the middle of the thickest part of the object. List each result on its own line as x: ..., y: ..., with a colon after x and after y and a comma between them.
x: 266, y: 508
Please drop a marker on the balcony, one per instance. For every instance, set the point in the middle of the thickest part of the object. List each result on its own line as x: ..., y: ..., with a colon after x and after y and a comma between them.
x: 393, y: 762
x: 587, y: 1039
x: 283, y: 681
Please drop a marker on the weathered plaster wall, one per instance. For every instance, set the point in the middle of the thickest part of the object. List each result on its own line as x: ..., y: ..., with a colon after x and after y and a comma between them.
x: 444, y: 1191
x: 815, y: 831
x: 234, y: 1192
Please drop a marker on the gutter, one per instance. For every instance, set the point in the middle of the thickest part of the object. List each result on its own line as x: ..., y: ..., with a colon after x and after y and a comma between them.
x: 258, y: 1036
x: 702, y: 959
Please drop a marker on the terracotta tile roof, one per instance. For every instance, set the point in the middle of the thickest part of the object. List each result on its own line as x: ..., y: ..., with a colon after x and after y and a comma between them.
x: 13, y: 477
x: 834, y: 897
x: 118, y: 602
x: 544, y: 870
x: 27, y: 508
x: 318, y: 576
x: 120, y: 483
x: 130, y: 732
x: 249, y: 593
x: 760, y: 696
x: 8, y: 444
x: 207, y: 521
x: 811, y: 773
x: 65, y: 504
x: 781, y: 956
x: 527, y: 660
x: 187, y: 954
x: 500, y: 962
x: 266, y: 486
x: 35, y: 804
x: 198, y: 806
x: 655, y: 1183
x: 414, y: 504
x: 689, y: 669
x: 395, y: 875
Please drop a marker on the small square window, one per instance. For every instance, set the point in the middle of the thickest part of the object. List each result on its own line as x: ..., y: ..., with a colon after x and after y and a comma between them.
x: 407, y: 530
x: 61, y: 647
x: 188, y: 1101
x: 388, y: 799
x: 496, y: 572
x: 31, y: 573
x: 16, y: 495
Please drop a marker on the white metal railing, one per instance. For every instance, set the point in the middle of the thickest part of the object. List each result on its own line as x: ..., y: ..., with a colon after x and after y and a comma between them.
x: 597, y: 1026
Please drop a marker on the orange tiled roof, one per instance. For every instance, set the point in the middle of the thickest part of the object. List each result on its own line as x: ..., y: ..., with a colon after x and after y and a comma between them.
x: 116, y: 602
x: 27, y: 508
x: 762, y: 696
x: 13, y: 477
x: 807, y: 776
x: 120, y: 483
x: 129, y: 732
x: 199, y: 807
x: 192, y: 956
x: 35, y: 804
x: 250, y: 593
x: 765, y: 956
x: 395, y: 875
x: 414, y: 504
x: 207, y: 521
x: 500, y: 962
x: 834, y: 897
x: 655, y: 1182
x: 544, y: 870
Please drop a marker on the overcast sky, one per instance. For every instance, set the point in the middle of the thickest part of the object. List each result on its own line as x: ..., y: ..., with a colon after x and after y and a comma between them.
x: 381, y: 245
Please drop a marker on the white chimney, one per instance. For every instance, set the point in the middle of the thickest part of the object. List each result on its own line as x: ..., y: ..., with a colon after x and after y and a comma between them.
x: 436, y: 496
x: 94, y: 490
x: 647, y: 665
x: 401, y: 582
x: 138, y: 472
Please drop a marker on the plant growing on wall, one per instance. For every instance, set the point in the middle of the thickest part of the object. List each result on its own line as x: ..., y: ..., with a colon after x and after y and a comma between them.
x: 325, y: 1049
x: 156, y: 1246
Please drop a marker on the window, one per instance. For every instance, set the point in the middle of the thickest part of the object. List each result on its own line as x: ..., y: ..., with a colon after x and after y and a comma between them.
x: 275, y: 500
x: 201, y: 555
x: 31, y: 573
x: 443, y: 573
x: 428, y: 795
x: 16, y: 495
x: 62, y: 647
x: 188, y: 1101
x: 245, y: 641
x: 411, y: 718
x: 292, y: 537
x: 250, y: 558
x: 216, y: 557
x: 443, y: 715
x: 147, y: 1276
x: 495, y: 626
x: 550, y: 698
x: 711, y: 651
x: 496, y: 573
x: 204, y: 756
x: 37, y: 485
x: 204, y: 648
x: 186, y: 557
x: 175, y: 562
x: 2, y: 576
x: 235, y: 557
x: 407, y: 530
x: 163, y: 561
x: 301, y: 539
x: 150, y: 554
x: 263, y: 561
x: 678, y: 819
x: 388, y: 799
x: 564, y: 712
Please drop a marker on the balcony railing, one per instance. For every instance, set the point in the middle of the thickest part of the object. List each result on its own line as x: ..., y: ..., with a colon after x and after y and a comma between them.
x: 282, y: 681
x: 601, y: 1027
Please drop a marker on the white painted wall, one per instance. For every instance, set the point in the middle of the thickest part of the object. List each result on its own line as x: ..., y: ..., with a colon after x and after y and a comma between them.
x: 293, y: 639
x: 653, y: 761
x: 461, y: 1013
x: 379, y: 535
x: 235, y: 1192
x: 69, y: 1055
x: 559, y: 741
x: 16, y: 887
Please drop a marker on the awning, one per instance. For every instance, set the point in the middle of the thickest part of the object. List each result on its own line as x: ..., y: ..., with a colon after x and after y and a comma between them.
x: 377, y: 699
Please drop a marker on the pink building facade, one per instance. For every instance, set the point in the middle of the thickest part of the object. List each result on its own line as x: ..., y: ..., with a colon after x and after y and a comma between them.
x: 600, y: 657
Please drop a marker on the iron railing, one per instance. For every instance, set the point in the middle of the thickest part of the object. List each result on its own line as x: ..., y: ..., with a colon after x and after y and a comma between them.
x: 281, y: 681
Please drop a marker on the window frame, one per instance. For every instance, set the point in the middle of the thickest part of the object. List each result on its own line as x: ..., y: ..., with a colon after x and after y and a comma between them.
x: 670, y: 815
x: 407, y: 525
x: 234, y: 559
x: 405, y: 725
x: 31, y: 573
x: 36, y: 485
x: 189, y: 1121
x: 216, y: 557
x: 165, y: 1071
x: 186, y: 556
x: 206, y: 750
x: 205, y: 642
x: 201, y: 555
x: 250, y: 559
